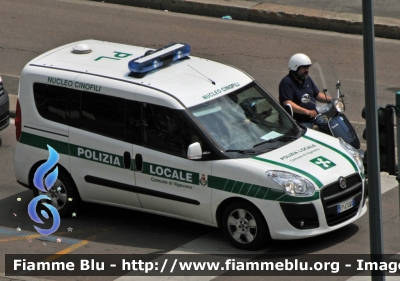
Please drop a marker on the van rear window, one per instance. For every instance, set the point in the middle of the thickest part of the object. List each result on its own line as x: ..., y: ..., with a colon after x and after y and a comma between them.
x: 101, y: 114
x: 51, y: 102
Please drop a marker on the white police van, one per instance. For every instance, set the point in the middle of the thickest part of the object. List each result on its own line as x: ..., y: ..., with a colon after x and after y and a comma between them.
x: 167, y: 133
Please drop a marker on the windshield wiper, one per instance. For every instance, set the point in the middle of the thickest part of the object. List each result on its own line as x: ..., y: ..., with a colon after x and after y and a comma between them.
x: 243, y: 151
x: 281, y: 138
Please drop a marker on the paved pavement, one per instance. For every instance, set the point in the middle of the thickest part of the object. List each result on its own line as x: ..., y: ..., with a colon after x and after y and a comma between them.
x: 341, y: 15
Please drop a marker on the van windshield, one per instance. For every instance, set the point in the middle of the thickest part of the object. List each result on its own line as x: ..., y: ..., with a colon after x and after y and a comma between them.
x: 246, y: 121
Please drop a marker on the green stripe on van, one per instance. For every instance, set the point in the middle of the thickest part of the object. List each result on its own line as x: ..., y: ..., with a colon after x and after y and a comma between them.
x: 314, y: 179
x: 74, y: 150
x: 334, y: 149
x: 255, y: 191
x: 218, y: 183
x: 42, y: 142
x: 170, y: 173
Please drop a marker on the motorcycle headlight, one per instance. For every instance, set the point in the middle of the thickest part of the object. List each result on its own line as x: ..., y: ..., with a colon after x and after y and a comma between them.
x: 339, y: 105
x: 353, y: 153
x: 292, y: 184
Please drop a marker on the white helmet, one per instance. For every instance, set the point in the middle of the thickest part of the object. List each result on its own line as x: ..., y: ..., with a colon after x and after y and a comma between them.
x: 298, y: 60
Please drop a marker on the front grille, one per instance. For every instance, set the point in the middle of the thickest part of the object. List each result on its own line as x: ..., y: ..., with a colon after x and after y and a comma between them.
x: 4, y: 118
x: 333, y: 194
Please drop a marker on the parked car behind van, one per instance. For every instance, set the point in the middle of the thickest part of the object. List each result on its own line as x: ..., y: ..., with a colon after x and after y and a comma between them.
x: 4, y: 107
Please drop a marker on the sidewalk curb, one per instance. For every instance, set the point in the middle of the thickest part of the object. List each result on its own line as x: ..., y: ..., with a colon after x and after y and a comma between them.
x: 271, y: 14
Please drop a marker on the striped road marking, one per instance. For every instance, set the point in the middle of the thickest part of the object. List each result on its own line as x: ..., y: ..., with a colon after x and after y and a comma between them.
x: 75, y: 243
x: 23, y: 235
x: 368, y: 278
x: 206, y: 244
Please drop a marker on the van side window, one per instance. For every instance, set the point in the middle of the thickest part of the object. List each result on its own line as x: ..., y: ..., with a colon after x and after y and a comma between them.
x: 102, y: 114
x: 51, y: 102
x: 166, y: 129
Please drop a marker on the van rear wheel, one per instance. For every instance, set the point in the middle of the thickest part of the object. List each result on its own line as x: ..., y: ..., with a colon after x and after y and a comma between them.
x: 63, y: 195
x: 244, y: 226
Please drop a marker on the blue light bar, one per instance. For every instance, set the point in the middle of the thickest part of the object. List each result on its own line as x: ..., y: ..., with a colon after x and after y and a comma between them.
x: 159, y: 57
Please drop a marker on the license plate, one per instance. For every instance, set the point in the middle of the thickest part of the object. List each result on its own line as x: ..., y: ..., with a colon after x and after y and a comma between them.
x: 341, y: 207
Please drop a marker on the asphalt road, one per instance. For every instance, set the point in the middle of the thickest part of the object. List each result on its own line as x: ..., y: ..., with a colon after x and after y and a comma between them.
x: 28, y: 28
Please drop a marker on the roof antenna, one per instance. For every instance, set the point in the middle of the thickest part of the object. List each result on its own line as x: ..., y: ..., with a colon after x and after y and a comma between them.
x: 203, y: 75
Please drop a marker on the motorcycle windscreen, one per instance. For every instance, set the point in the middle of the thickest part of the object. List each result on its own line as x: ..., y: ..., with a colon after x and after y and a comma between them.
x: 341, y: 127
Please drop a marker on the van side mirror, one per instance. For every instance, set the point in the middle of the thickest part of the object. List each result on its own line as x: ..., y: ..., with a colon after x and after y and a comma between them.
x: 194, y: 151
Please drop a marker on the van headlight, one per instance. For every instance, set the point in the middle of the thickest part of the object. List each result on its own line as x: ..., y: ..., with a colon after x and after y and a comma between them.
x: 353, y: 153
x: 292, y: 184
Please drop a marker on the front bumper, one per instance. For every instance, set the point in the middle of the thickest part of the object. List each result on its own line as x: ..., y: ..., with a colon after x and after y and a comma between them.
x: 301, y: 220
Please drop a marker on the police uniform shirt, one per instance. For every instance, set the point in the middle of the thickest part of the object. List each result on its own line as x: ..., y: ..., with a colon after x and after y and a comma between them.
x: 291, y: 89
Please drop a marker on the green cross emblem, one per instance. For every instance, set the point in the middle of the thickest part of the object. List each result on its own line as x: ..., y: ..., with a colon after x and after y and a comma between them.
x: 323, y: 162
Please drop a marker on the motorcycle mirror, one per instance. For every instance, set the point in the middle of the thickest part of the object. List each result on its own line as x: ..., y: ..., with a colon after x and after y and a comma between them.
x: 339, y: 90
x: 306, y: 98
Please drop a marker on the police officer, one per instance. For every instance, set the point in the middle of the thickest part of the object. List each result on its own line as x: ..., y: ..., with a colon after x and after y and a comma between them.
x: 294, y: 86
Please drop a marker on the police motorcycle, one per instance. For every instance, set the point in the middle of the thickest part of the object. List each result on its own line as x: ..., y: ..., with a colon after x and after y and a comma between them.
x: 338, y: 123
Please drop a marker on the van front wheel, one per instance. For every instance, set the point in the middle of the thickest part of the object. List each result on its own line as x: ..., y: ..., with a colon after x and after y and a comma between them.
x: 244, y: 226
x: 63, y: 195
